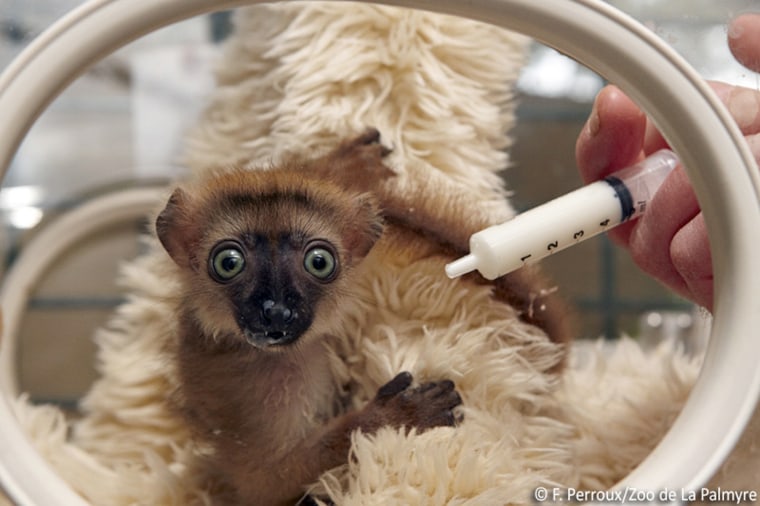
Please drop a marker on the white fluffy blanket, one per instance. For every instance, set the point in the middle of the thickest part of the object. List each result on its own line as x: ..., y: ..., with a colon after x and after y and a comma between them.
x: 296, y: 77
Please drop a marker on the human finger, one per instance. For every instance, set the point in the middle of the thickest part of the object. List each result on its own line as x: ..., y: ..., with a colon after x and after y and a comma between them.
x: 671, y: 208
x: 686, y: 265
x: 743, y: 104
x: 744, y: 40
x: 691, y: 258
x: 653, y: 139
x: 612, y: 137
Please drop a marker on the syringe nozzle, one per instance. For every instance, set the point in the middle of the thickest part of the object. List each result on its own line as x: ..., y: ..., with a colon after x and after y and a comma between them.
x: 467, y: 263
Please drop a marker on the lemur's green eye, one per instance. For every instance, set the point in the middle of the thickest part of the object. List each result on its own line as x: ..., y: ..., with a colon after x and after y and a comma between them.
x: 320, y: 262
x: 226, y: 261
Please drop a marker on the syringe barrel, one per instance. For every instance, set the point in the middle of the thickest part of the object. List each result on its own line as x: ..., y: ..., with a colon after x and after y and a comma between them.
x: 566, y: 220
x: 637, y: 184
x: 546, y: 229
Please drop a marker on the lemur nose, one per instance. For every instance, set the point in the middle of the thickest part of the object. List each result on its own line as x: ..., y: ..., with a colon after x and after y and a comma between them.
x: 276, y: 313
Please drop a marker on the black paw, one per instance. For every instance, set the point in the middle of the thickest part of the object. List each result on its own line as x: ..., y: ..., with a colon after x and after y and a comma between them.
x: 423, y: 407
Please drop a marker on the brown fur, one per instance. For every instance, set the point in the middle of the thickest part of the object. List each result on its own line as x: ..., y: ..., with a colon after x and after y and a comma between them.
x: 446, y: 214
x: 261, y: 396
x: 264, y: 400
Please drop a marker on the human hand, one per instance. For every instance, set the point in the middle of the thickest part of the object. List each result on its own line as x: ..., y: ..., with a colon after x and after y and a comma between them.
x: 669, y: 241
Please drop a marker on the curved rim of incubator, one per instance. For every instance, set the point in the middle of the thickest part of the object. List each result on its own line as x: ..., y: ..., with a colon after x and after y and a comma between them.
x: 695, y: 123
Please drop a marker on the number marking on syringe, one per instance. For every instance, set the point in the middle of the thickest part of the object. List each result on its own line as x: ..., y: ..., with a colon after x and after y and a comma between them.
x: 553, y: 226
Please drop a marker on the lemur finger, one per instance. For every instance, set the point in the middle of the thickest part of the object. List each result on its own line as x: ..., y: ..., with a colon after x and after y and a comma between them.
x: 436, y: 389
x: 401, y: 382
x: 370, y: 136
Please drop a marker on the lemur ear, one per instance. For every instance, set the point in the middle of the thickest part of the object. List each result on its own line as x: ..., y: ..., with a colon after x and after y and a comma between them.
x: 365, y: 229
x: 174, y: 228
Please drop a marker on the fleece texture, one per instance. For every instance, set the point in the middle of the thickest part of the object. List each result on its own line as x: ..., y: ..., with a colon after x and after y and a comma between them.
x: 295, y: 78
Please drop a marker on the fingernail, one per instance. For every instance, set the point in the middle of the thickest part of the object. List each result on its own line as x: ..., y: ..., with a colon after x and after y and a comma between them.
x: 593, y: 124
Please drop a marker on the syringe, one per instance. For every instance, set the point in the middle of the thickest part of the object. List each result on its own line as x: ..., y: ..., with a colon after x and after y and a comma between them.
x: 566, y: 220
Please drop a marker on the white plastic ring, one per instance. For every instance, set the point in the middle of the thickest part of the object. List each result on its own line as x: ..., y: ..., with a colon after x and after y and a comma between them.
x: 48, y: 246
x: 719, y: 164
x: 100, y: 213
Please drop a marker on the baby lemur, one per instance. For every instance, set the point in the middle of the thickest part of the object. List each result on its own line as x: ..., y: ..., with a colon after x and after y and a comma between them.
x: 265, y: 260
